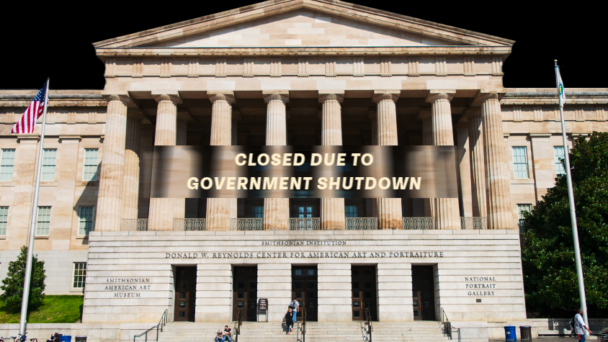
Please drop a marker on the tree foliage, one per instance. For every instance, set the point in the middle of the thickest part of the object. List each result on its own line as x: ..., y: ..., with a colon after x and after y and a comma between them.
x: 12, y: 285
x: 550, y: 277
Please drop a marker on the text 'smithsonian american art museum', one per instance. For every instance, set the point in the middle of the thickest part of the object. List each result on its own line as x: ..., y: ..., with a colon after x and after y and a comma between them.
x: 298, y: 78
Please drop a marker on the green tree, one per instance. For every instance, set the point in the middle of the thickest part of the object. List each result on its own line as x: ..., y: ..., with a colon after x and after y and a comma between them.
x: 12, y: 285
x: 549, y: 267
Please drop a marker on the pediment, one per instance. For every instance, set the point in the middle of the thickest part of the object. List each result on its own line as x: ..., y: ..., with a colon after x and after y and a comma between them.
x: 307, y: 29
x: 305, y: 23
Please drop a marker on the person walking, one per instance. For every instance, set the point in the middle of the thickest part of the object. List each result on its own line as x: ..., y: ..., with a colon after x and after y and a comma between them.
x: 580, y: 326
x: 289, y: 320
x: 295, y: 308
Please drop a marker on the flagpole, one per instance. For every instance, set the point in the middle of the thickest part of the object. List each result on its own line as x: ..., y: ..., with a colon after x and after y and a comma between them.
x: 30, y: 248
x: 577, y: 252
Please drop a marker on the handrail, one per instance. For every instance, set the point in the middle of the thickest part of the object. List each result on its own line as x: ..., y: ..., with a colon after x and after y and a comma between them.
x: 161, y: 324
x: 303, y: 324
x: 368, y: 317
x: 239, y: 322
x: 447, y: 325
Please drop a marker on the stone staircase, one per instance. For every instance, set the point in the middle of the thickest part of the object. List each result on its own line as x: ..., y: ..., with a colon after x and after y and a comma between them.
x: 421, y: 331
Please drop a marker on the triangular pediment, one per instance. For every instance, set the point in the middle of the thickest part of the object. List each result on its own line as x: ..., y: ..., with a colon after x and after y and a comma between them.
x: 304, y: 28
x: 305, y: 23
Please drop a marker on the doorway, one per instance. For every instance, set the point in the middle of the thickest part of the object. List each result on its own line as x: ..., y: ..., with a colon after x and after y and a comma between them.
x: 185, y: 293
x: 364, y: 292
x: 304, y: 288
x: 423, y: 293
x: 245, y: 292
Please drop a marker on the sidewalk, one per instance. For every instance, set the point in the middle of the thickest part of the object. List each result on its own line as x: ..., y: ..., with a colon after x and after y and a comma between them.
x: 555, y: 339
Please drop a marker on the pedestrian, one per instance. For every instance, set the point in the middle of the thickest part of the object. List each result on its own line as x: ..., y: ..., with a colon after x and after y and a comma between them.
x: 295, y: 307
x: 218, y: 336
x: 289, y: 320
x: 227, y: 334
x: 580, y: 326
x: 571, y: 323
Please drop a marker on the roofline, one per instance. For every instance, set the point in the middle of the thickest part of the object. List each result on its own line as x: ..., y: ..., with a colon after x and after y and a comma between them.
x: 274, y: 7
x: 502, y: 51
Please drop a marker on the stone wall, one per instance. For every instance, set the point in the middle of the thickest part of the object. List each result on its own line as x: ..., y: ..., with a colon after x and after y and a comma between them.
x: 478, y: 273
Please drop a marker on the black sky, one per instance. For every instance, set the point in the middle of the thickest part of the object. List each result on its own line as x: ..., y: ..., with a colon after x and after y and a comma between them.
x: 55, y: 40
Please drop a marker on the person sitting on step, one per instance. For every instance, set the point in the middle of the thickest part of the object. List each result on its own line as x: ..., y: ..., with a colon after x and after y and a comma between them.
x: 227, y: 334
x: 218, y: 337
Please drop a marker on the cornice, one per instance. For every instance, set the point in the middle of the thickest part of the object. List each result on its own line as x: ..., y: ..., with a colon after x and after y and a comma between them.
x: 305, y: 51
x: 274, y: 7
x: 548, y: 96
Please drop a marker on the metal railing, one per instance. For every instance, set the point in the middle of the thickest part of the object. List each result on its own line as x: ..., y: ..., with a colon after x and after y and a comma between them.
x: 368, y: 317
x: 189, y: 224
x: 474, y: 222
x: 306, y: 223
x: 447, y: 325
x: 237, y: 326
x: 247, y: 224
x: 418, y: 223
x: 303, y: 324
x: 159, y: 326
x: 361, y: 223
x: 133, y: 225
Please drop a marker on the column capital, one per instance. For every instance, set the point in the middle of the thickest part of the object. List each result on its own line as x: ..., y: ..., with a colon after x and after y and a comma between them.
x: 442, y: 94
x: 281, y: 95
x: 485, y: 95
x: 331, y: 96
x: 165, y: 97
x: 125, y: 99
x: 227, y: 96
x: 380, y: 95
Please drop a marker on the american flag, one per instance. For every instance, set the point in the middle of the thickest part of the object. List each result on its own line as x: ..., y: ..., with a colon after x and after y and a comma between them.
x: 27, y: 123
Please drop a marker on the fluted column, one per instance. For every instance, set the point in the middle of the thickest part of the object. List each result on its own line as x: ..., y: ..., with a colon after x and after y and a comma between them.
x: 112, y: 166
x: 389, y: 209
x: 276, y: 210
x: 130, y: 187
x: 163, y: 210
x: 447, y: 213
x: 498, y: 192
x: 221, y: 210
x: 478, y: 173
x: 427, y: 140
x: 332, y: 209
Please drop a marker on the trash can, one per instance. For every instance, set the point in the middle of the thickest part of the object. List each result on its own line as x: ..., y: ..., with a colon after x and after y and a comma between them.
x: 510, y: 333
x: 525, y: 333
x: 65, y: 338
x: 81, y: 339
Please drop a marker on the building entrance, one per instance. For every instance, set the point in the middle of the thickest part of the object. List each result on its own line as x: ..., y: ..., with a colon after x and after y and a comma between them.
x: 423, y: 293
x: 245, y: 296
x: 185, y: 293
x: 304, y: 288
x: 364, y: 292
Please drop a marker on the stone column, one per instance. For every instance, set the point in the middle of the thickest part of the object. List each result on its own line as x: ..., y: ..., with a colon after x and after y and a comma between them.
x: 130, y: 187
x: 112, y: 166
x: 162, y: 210
x: 498, y: 191
x: 372, y: 203
x: 389, y: 209
x: 332, y: 209
x: 427, y: 140
x: 478, y: 173
x: 276, y: 210
x: 447, y: 213
x: 221, y: 210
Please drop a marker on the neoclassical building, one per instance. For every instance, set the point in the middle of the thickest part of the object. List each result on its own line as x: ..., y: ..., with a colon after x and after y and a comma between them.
x: 299, y: 73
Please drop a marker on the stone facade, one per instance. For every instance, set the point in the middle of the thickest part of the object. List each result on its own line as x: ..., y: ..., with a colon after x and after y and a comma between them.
x: 300, y: 73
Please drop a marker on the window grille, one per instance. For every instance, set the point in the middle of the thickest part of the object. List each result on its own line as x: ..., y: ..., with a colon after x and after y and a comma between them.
x: 91, y: 169
x: 80, y: 275
x: 3, y: 220
x: 520, y: 162
x: 85, y: 218
x: 49, y: 158
x: 7, y: 164
x: 558, y: 151
x: 43, y: 221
